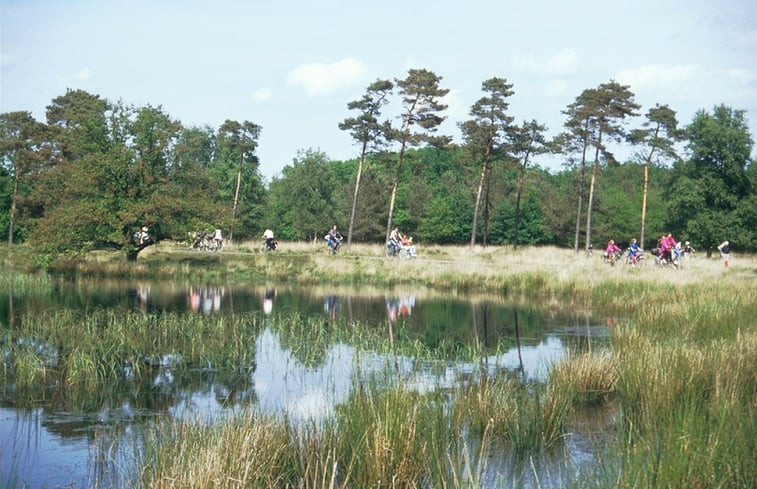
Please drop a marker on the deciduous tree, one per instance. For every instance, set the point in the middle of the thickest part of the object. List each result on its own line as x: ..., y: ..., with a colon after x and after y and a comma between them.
x: 711, y: 194
x: 21, y: 137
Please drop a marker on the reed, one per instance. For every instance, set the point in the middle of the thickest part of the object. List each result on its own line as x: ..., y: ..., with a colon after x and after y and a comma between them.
x: 382, y: 439
x: 27, y: 368
x: 88, y: 349
x: 525, y: 418
x: 250, y: 450
x: 20, y: 283
x: 387, y: 439
x: 586, y: 378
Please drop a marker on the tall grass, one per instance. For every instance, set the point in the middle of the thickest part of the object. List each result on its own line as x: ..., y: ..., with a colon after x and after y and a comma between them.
x: 250, y: 450
x: 89, y: 349
x: 389, y: 439
x: 20, y: 284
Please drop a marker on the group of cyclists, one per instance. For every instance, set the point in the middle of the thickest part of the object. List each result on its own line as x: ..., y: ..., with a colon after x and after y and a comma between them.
x: 668, y: 252
x: 397, y: 242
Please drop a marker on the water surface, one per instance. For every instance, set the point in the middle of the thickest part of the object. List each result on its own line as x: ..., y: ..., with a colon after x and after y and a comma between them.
x: 59, y: 441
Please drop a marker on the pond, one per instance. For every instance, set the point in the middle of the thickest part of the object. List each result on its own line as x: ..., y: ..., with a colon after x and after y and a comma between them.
x: 54, y: 442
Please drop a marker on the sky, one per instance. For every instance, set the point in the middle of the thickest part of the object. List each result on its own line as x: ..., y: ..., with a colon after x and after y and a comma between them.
x: 292, y: 66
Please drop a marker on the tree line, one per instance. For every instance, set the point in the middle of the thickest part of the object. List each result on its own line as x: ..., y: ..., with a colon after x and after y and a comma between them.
x: 95, y: 171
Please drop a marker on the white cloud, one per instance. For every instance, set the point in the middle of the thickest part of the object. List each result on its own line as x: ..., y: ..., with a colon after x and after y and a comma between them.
x: 325, y: 78
x: 555, y: 87
x: 656, y: 74
x: 525, y: 63
x: 80, y: 76
x: 261, y: 96
x: 455, y: 106
x: 563, y: 62
x: 741, y: 76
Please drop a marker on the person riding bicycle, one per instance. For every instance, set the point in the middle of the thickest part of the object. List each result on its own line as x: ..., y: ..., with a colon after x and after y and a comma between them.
x: 611, y: 250
x: 395, y: 239
x: 143, y: 235
x: 408, y: 244
x: 634, y: 252
x: 333, y: 239
x: 667, y: 243
x: 270, y: 244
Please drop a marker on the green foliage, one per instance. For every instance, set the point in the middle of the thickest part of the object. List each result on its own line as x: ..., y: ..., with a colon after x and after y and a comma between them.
x: 448, y: 219
x: 712, y: 193
x: 304, y: 197
x: 6, y: 194
x: 532, y: 230
x: 95, y: 171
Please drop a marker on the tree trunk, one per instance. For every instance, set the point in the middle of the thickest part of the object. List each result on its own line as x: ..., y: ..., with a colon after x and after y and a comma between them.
x: 357, y: 191
x: 644, y: 193
x: 487, y: 216
x: 478, y: 196
x: 12, y: 216
x: 581, y: 184
x: 521, y: 179
x: 395, y: 184
x: 236, y: 200
x: 644, y: 200
x: 591, y: 198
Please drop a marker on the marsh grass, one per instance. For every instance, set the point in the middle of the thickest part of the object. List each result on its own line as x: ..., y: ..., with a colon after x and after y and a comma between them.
x: 250, y: 450
x: 88, y: 349
x: 524, y: 418
x: 20, y: 283
x: 393, y: 438
x: 588, y: 378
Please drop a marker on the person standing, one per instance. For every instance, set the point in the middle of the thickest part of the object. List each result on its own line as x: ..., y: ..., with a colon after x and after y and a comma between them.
x: 269, y: 241
x: 725, y: 250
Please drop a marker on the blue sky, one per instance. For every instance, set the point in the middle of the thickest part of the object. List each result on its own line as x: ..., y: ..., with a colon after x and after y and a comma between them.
x: 292, y: 66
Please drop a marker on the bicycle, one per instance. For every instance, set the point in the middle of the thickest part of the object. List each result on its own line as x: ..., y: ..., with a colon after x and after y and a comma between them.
x: 394, y: 249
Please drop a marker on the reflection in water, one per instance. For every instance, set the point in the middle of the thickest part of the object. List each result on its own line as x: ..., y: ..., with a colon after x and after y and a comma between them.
x: 331, y: 306
x: 268, y: 297
x: 397, y: 307
x: 206, y: 298
x: 143, y: 295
